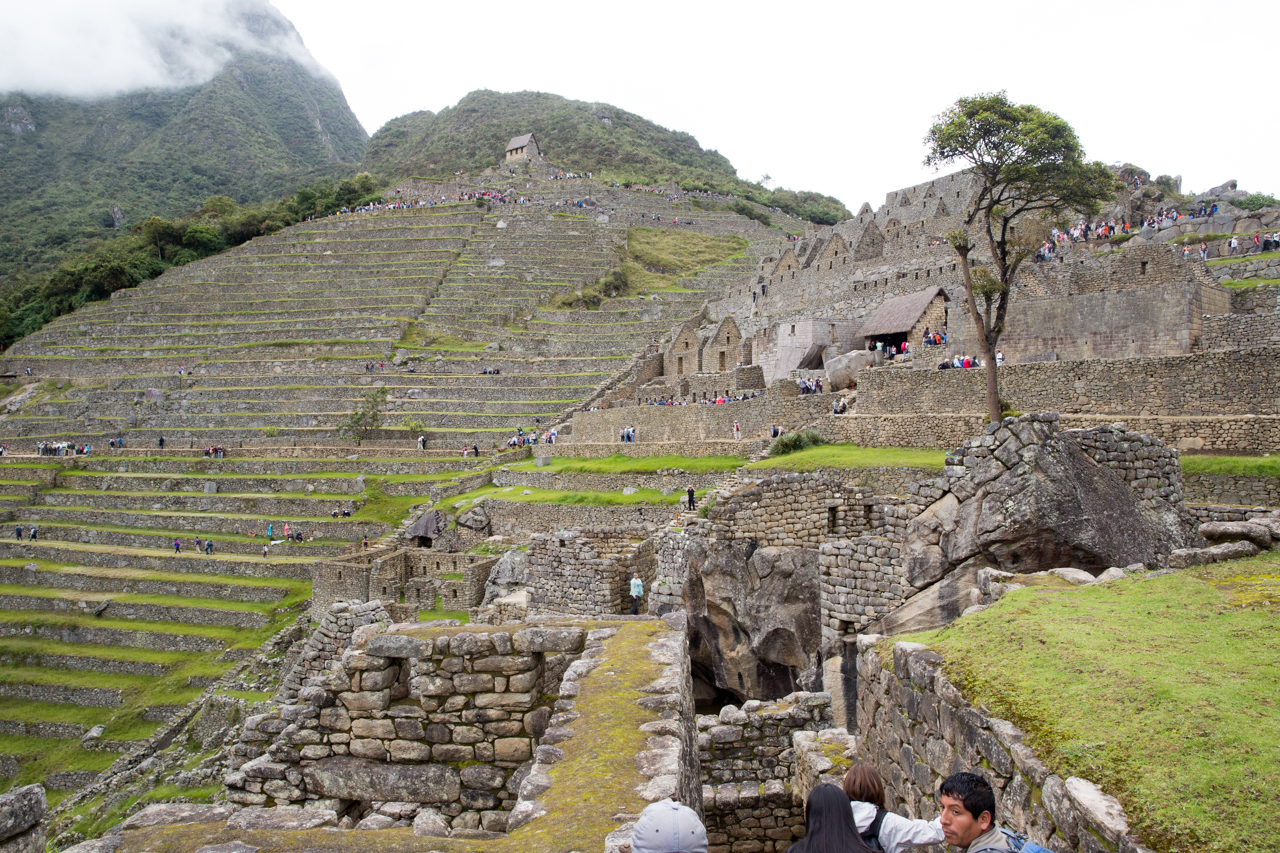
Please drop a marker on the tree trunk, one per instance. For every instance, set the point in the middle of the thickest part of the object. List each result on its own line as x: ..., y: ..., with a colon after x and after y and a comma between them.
x: 993, y: 386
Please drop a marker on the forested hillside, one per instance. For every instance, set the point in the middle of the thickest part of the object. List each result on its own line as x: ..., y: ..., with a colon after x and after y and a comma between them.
x: 613, y: 144
x: 73, y: 171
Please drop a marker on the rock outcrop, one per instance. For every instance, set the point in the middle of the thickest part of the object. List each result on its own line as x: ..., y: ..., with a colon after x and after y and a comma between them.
x: 753, y: 616
x: 1026, y: 498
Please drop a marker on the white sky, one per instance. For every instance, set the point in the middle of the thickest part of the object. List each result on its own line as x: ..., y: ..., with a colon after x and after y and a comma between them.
x: 824, y: 95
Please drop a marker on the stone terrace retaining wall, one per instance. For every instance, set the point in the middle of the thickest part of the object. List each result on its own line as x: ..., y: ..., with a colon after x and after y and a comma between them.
x: 587, y: 572
x: 1240, y: 331
x: 748, y: 765
x: 609, y: 482
x: 917, y: 728
x: 915, y: 430
x: 513, y: 518
x: 437, y: 723
x: 599, y: 450
x: 1208, y: 383
x: 149, y: 612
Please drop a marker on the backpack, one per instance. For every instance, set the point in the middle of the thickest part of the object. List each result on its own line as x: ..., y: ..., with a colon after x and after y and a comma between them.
x: 1018, y: 843
x: 871, y: 835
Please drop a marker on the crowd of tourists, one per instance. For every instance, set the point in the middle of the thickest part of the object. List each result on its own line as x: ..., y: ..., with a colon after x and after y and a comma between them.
x: 891, y: 351
x: 627, y: 435
x: 810, y: 386
x: 202, y: 546
x: 216, y: 451
x: 61, y: 448
x: 523, y: 439
x: 964, y: 362
x: 853, y: 818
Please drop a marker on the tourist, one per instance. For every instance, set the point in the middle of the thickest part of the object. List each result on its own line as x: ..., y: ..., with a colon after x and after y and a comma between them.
x: 999, y: 358
x: 34, y: 531
x: 828, y: 824
x: 264, y: 550
x: 1235, y: 246
x: 1204, y: 251
x: 208, y: 547
x: 737, y: 432
x: 668, y: 827
x: 968, y: 818
x: 878, y: 827
x: 17, y: 532
x: 637, y: 590
x: 177, y: 546
x: 690, y: 493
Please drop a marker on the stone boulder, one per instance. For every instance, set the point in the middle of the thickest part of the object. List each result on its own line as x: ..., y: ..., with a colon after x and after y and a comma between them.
x: 1026, y: 499
x: 506, y: 576
x: 474, y: 519
x: 21, y: 813
x: 753, y: 617
x: 1236, y: 531
x: 842, y: 371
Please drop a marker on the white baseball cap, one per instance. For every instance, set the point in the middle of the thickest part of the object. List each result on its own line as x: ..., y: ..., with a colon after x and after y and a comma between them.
x: 668, y: 827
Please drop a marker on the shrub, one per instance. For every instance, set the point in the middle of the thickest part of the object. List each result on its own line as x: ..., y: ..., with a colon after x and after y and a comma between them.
x: 1256, y: 201
x: 744, y: 209
x: 792, y: 441
x: 366, y: 419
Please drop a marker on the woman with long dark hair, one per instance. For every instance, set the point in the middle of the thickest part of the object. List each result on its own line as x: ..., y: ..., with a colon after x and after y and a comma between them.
x: 882, y: 829
x: 828, y: 824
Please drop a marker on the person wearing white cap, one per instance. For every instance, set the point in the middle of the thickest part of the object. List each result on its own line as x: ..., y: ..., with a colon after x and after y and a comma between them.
x: 668, y: 827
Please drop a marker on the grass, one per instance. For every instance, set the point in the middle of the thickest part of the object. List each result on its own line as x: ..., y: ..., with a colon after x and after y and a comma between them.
x: 439, y: 612
x: 653, y: 497
x: 1222, y: 262
x: 1161, y: 691
x: 1251, y: 466
x: 1249, y: 284
x: 852, y: 456
x: 620, y: 464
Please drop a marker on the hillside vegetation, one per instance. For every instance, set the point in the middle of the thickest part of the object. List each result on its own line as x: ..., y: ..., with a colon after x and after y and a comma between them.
x: 1161, y: 691
x: 260, y: 128
x: 613, y: 144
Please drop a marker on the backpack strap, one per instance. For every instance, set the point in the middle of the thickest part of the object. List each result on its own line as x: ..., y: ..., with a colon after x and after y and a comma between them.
x: 871, y: 835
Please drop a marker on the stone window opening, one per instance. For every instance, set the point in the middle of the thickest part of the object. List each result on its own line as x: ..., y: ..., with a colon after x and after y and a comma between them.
x: 831, y: 519
x: 339, y: 575
x: 1144, y: 268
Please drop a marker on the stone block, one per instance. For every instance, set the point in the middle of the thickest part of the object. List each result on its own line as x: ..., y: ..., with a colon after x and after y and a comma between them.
x: 379, y: 679
x: 528, y: 640
x: 512, y: 749
x: 350, y: 778
x: 384, y: 729
x: 377, y: 700
x: 367, y: 748
x: 397, y: 646
x: 409, y: 750
x: 281, y: 819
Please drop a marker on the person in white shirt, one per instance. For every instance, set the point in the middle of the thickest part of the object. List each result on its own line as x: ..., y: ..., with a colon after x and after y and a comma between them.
x: 882, y: 829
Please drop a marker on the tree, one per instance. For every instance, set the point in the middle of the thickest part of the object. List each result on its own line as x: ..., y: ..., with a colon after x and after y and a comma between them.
x: 1030, y: 168
x: 366, y: 419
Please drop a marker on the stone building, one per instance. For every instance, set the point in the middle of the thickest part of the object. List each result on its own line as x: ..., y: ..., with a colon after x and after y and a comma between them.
x: 408, y: 577
x: 522, y: 149
x: 684, y: 356
x: 724, y: 349
x: 904, y: 318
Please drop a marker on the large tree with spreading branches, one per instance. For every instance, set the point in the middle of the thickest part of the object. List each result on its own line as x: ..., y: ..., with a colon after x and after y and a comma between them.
x: 1030, y: 170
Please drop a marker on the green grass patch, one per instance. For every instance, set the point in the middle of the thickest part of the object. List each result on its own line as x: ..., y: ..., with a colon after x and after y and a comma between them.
x: 1249, y: 283
x: 620, y: 464
x: 440, y: 613
x: 1162, y: 691
x: 653, y: 497
x: 1252, y: 466
x: 853, y: 456
x: 1236, y: 259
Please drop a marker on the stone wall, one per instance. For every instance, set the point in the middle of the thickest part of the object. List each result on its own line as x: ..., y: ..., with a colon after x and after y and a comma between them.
x: 588, y: 571
x: 327, y: 643
x: 514, y: 518
x: 1208, y: 383
x: 1240, y: 331
x: 598, y: 450
x: 435, y: 721
x: 863, y: 579
x: 916, y: 728
x: 748, y: 766
x: 671, y: 479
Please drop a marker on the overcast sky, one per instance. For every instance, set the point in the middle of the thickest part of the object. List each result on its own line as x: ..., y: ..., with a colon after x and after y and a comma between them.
x: 828, y: 96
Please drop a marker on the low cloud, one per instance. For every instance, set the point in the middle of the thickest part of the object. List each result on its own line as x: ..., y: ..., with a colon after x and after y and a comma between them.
x: 89, y: 48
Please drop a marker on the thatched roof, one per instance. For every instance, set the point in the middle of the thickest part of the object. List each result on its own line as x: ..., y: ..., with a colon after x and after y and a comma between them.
x: 519, y: 142
x: 899, y: 314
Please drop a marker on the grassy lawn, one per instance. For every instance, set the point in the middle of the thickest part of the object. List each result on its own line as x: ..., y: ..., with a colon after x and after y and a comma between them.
x: 852, y: 456
x: 1220, y: 262
x: 620, y: 464
x: 1161, y: 691
x: 1255, y: 466
x: 651, y: 497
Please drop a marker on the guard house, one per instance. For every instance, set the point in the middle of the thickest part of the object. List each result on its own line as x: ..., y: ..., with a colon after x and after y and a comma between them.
x: 522, y: 148
x: 904, y: 318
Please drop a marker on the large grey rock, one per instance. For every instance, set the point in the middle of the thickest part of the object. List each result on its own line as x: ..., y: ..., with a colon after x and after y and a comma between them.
x: 397, y: 646
x: 842, y: 371
x: 228, y: 847
x: 1232, y: 551
x: 282, y: 819
x: 753, y: 616
x: 105, y: 844
x: 1055, y: 507
x: 1236, y: 531
x: 938, y: 605
x: 350, y: 778
x: 165, y: 814
x: 21, y: 809
x: 474, y: 519
x: 506, y: 576
x: 1101, y: 811
x: 430, y: 824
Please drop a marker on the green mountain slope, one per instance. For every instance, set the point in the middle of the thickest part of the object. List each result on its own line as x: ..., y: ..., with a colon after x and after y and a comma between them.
x: 72, y: 171
x: 612, y: 143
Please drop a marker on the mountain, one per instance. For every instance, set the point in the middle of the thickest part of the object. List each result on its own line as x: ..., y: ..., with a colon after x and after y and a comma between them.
x: 77, y: 169
x: 610, y: 142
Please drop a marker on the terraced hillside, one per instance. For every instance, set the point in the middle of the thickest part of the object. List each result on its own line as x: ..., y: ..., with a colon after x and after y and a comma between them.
x: 266, y: 350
